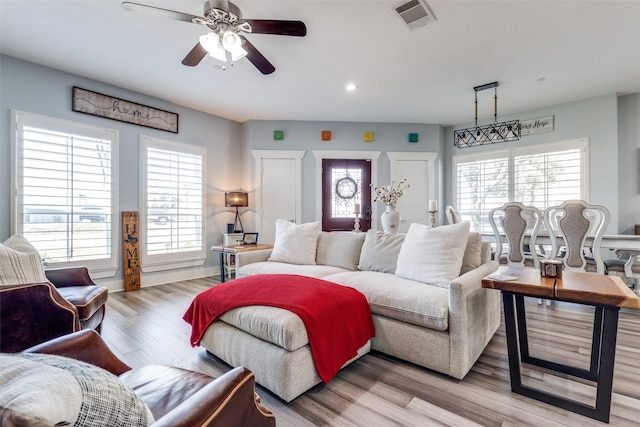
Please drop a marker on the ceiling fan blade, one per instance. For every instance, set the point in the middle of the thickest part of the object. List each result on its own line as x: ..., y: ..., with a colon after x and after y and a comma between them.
x: 166, y: 13
x: 194, y: 57
x: 273, y: 26
x: 256, y: 58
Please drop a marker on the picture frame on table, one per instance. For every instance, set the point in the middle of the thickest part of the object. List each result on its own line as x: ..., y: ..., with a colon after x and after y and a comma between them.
x: 250, y: 238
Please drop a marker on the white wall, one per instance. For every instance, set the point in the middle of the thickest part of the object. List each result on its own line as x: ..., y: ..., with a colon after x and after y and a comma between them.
x: 629, y: 162
x: 345, y: 136
x: 611, y: 123
x: 596, y: 118
x: 32, y: 88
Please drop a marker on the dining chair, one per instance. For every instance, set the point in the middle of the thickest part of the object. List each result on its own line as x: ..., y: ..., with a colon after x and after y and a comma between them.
x: 511, y: 222
x: 626, y: 265
x: 452, y: 215
x: 576, y: 229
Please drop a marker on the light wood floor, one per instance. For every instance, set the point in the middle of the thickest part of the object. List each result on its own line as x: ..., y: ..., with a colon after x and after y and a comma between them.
x: 146, y: 326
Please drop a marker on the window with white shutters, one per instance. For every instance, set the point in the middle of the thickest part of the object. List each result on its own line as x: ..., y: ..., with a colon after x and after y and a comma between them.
x: 173, y: 204
x: 65, y: 191
x: 541, y: 176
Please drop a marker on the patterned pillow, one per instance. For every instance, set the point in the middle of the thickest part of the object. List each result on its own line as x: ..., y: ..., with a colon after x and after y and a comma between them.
x: 20, y: 262
x: 43, y: 389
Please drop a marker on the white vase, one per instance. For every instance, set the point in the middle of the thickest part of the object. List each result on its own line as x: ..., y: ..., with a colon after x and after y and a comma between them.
x: 390, y: 220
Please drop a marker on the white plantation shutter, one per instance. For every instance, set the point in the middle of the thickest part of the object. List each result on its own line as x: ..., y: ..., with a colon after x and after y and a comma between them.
x: 540, y: 175
x: 480, y: 186
x: 173, y: 204
x: 548, y: 179
x: 65, y: 194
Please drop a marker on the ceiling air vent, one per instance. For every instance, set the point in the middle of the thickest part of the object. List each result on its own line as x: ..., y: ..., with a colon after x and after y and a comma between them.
x: 414, y: 14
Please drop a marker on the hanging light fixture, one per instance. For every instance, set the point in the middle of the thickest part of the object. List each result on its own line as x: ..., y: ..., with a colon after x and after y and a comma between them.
x: 488, y: 134
x: 218, y: 43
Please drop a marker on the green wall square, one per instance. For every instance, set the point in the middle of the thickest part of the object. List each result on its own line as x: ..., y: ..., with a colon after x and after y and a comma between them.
x: 413, y: 137
x: 278, y: 135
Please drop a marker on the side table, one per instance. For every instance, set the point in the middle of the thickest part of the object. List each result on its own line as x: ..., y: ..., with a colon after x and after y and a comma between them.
x: 606, y: 293
x: 233, y: 250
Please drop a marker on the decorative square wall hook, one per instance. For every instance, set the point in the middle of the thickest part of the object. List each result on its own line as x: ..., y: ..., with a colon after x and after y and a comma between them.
x: 413, y: 137
x: 368, y: 136
x: 278, y: 135
x: 326, y: 135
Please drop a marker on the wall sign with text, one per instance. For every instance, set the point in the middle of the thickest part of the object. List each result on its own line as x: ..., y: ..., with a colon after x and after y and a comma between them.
x: 536, y: 126
x: 97, y: 104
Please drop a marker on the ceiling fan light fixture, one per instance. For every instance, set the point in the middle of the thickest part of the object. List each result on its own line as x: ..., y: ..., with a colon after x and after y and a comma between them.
x: 230, y: 41
x: 233, y: 44
x: 211, y: 43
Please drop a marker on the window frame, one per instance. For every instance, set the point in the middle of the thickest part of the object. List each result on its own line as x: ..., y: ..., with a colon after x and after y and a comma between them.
x: 581, y: 144
x: 99, y: 268
x: 161, y: 262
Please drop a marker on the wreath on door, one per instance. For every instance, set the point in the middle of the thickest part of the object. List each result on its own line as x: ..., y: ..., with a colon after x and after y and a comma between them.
x: 346, y: 188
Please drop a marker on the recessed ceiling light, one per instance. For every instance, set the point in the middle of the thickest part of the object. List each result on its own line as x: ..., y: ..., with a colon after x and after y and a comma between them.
x: 351, y: 87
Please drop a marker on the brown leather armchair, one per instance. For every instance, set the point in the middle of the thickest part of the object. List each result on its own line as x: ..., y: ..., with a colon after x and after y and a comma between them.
x: 36, y: 312
x: 176, y: 397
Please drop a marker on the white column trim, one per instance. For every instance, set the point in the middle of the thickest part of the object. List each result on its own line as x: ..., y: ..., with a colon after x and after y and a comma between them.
x: 258, y: 156
x: 430, y: 157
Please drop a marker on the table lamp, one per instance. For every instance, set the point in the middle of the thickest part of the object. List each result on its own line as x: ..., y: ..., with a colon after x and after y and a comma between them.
x: 236, y: 199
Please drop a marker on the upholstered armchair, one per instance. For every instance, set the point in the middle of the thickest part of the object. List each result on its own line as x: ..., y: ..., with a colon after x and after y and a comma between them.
x: 65, y: 302
x: 176, y: 397
x: 38, y: 305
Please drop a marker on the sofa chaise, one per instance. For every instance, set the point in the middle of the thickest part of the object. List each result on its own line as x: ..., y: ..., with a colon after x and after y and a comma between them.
x: 423, y: 288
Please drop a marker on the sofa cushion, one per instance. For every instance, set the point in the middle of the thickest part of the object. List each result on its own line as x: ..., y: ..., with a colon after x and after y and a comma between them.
x: 401, y: 299
x: 433, y: 255
x: 20, y: 262
x: 473, y: 253
x: 380, y: 251
x: 272, y: 324
x: 295, y: 243
x: 273, y: 267
x: 87, y: 299
x: 44, y: 389
x: 339, y: 249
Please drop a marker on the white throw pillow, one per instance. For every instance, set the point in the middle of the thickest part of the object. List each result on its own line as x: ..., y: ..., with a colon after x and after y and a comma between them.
x: 20, y: 262
x: 296, y: 243
x: 433, y: 255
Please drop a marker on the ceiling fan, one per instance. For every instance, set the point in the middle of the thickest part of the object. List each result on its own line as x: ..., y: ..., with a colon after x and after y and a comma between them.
x: 224, y: 42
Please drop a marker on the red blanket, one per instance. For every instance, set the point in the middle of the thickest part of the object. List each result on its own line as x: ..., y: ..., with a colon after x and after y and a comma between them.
x: 338, y: 318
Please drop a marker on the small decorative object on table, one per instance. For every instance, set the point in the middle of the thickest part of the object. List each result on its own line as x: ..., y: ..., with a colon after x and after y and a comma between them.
x: 389, y: 195
x: 433, y: 210
x: 551, y: 268
x: 356, y: 224
x: 250, y: 239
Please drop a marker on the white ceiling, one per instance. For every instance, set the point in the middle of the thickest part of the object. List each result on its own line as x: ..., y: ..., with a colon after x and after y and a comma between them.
x: 541, y: 52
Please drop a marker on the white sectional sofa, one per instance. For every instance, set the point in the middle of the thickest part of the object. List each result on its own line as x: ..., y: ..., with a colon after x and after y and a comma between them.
x: 421, y: 315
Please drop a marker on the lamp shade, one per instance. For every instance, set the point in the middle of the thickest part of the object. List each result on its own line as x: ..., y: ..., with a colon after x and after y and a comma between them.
x: 236, y: 199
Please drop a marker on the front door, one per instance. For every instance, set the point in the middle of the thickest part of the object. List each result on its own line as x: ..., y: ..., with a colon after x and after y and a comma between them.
x: 346, y: 190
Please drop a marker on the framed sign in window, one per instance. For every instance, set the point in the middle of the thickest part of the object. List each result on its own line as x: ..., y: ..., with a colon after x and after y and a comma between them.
x: 97, y: 104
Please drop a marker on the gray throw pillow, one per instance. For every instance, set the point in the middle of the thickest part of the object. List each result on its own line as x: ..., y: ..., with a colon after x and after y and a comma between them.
x: 472, y: 254
x: 339, y: 249
x: 380, y: 251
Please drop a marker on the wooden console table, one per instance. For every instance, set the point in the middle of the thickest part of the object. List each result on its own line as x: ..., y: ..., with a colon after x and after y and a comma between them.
x: 233, y: 250
x: 606, y: 293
